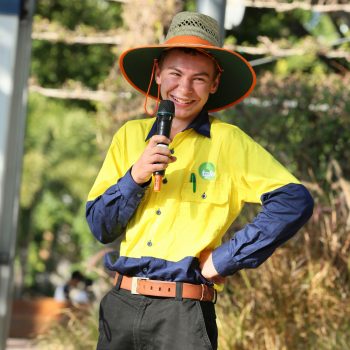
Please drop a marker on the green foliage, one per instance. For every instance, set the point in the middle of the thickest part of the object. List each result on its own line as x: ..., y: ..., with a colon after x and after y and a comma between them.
x: 323, y: 28
x: 53, y: 64
x: 296, y: 29
x: 60, y: 163
x: 65, y: 139
x: 99, y: 14
x: 268, y: 22
x: 304, y: 120
x: 190, y: 5
x: 87, y: 64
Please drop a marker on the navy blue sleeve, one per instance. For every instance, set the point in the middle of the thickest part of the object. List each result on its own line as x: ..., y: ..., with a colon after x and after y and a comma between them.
x: 284, y: 211
x: 108, y: 214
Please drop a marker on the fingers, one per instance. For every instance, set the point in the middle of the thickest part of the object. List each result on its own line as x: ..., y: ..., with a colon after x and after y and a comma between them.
x: 159, y: 146
x: 208, y: 269
x: 157, y: 151
x: 155, y: 157
x: 161, y: 158
x: 158, y: 154
x: 155, y: 139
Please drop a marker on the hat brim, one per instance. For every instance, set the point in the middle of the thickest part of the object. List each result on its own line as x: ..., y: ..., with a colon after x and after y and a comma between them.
x: 236, y: 82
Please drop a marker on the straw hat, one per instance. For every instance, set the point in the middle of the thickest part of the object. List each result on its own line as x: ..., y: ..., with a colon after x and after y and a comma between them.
x: 198, y: 31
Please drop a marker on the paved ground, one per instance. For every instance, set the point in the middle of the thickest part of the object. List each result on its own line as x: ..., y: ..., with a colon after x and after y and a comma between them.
x: 19, y: 344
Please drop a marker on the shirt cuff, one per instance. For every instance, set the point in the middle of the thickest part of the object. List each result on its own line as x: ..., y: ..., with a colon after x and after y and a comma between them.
x: 129, y: 188
x: 221, y: 256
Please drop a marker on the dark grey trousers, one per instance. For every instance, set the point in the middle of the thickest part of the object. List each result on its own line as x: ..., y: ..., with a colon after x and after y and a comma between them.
x: 136, y: 322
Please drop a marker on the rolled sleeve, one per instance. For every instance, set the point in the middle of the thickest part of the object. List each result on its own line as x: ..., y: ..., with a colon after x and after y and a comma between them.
x: 284, y: 211
x: 108, y: 214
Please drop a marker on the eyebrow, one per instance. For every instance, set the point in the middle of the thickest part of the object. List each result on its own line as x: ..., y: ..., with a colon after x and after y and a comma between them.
x: 196, y: 74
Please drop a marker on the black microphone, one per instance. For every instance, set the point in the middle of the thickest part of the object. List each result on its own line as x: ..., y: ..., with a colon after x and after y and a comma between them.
x: 165, y: 115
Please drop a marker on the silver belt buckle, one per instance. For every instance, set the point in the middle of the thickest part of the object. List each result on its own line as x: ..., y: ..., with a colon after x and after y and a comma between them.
x: 134, y: 283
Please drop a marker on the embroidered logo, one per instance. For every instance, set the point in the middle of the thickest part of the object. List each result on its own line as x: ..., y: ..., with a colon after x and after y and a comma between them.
x: 207, y: 171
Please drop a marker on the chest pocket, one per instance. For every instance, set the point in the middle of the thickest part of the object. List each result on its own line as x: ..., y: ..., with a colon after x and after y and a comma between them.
x: 213, y: 192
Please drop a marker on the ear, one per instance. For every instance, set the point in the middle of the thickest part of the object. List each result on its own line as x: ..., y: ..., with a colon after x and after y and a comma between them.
x: 215, y: 84
x: 157, y: 75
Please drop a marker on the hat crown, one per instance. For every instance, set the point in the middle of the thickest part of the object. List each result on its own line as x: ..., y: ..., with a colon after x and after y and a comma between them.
x: 196, y: 24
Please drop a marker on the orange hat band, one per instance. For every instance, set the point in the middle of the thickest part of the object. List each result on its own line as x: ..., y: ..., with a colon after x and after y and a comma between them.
x: 187, y: 40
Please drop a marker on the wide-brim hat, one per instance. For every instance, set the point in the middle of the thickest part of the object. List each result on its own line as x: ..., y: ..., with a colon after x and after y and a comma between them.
x: 198, y: 31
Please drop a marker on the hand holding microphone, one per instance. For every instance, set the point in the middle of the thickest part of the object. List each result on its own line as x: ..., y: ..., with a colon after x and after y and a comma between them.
x: 156, y: 156
x: 165, y: 117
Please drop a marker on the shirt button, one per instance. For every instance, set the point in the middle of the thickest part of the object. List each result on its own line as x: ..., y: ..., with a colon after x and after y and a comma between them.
x: 158, y: 212
x: 144, y: 270
x: 149, y: 243
x: 139, y: 195
x: 165, y: 181
x: 204, y: 195
x: 172, y: 151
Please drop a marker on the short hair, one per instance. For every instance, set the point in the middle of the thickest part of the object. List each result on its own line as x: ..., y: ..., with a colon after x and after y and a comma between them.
x: 77, y: 275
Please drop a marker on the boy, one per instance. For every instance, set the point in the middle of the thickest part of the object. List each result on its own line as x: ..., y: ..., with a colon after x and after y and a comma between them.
x: 172, y: 259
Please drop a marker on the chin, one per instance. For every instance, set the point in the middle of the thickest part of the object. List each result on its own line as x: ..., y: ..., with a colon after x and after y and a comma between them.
x: 184, y: 116
x: 188, y: 114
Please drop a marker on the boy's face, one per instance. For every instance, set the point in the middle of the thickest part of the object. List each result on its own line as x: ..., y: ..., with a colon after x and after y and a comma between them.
x: 187, y: 80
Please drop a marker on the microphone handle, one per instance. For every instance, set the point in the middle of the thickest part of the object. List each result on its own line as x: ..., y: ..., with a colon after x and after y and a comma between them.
x: 161, y: 172
x: 163, y: 128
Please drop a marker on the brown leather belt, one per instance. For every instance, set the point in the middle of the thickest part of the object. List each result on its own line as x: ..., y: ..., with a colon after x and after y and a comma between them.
x: 165, y: 289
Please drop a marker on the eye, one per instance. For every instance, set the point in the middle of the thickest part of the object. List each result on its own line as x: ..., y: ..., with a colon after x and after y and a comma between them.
x: 200, y: 80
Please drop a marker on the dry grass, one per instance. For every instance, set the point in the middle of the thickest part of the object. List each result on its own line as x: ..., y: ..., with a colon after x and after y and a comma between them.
x: 298, y: 299
x: 77, y: 331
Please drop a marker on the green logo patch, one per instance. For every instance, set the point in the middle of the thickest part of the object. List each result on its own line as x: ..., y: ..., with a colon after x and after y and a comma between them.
x: 207, y: 171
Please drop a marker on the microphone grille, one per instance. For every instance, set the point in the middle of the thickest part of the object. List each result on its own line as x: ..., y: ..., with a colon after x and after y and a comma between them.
x: 166, y: 106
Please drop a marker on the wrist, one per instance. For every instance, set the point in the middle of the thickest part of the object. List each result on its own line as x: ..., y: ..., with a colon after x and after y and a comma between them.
x: 139, y: 180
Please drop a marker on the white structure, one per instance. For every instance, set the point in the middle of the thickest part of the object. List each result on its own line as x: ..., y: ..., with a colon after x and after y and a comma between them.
x: 229, y: 13
x: 215, y: 9
x: 15, y: 46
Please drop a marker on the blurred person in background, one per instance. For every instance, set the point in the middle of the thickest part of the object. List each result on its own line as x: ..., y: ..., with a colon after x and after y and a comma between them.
x: 74, y: 290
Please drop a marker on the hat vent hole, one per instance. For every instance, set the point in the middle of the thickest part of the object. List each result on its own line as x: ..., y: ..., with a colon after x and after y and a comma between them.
x: 194, y: 23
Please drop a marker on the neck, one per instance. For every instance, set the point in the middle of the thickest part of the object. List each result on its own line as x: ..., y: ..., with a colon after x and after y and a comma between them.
x: 178, y: 125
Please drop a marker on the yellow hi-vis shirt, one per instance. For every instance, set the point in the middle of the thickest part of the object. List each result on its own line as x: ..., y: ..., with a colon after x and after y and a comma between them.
x: 204, y: 191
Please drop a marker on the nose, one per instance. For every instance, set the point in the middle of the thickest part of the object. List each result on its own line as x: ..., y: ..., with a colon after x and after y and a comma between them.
x: 185, y: 85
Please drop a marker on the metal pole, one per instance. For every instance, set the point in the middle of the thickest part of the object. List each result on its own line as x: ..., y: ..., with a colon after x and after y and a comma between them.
x: 15, y: 47
x: 215, y: 9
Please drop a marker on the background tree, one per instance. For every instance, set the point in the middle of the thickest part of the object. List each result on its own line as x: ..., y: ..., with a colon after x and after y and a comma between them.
x: 59, y: 162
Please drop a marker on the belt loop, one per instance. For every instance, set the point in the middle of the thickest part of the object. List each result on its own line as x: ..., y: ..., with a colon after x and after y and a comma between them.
x: 202, y: 295
x: 215, y: 296
x: 119, y: 281
x: 179, y: 287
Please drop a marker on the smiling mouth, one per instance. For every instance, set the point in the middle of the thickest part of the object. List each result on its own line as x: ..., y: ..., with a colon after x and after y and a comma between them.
x: 182, y: 100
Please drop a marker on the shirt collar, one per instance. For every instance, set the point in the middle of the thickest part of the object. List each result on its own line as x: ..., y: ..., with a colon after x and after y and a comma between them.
x: 200, y: 124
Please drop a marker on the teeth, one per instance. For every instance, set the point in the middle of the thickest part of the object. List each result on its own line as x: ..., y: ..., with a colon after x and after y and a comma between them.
x: 180, y: 100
